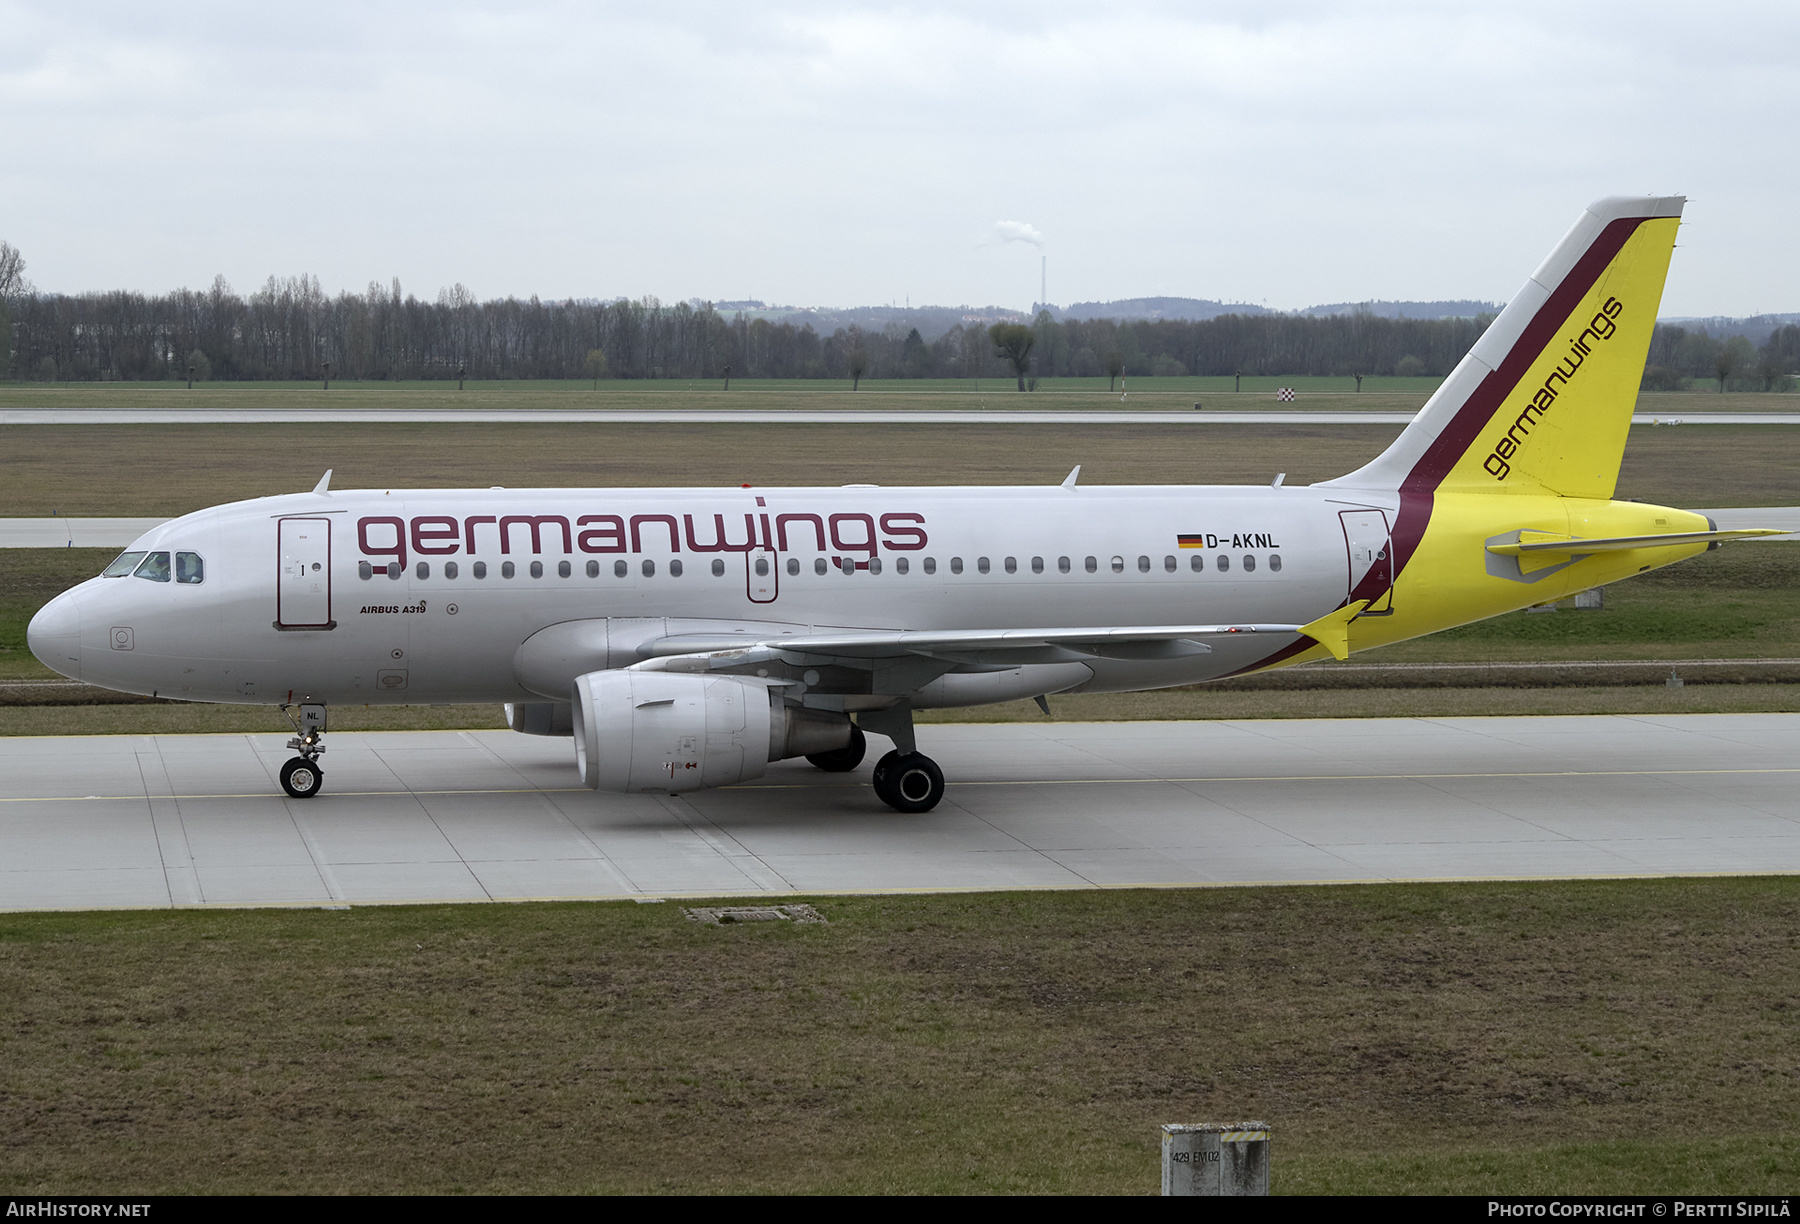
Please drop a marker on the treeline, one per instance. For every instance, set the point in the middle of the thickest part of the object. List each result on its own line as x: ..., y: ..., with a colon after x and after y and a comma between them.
x: 290, y: 329
x: 1680, y: 358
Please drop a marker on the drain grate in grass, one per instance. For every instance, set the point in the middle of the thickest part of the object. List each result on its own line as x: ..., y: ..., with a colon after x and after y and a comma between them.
x: 724, y: 915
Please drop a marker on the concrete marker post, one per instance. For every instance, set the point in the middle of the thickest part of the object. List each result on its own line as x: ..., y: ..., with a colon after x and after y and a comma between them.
x: 1215, y: 1158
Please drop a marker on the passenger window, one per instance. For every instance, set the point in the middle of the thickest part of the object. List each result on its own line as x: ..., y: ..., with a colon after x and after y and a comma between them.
x: 793, y: 567
x: 189, y: 568
x: 1093, y: 566
x: 819, y: 565
x: 537, y: 569
x: 675, y: 568
x: 154, y: 566
x: 1037, y: 565
x: 480, y: 569
x: 562, y: 569
x: 649, y: 569
x: 1249, y: 564
x: 1224, y: 563
x: 449, y: 569
x: 1118, y: 564
x: 981, y: 563
x: 847, y: 564
x: 956, y: 565
x: 593, y: 569
x: 1198, y: 564
x: 1169, y: 564
x: 507, y: 569
x: 931, y: 565
x: 1062, y: 565
x: 1012, y: 565
x: 874, y: 565
x: 123, y: 566
x: 1143, y: 565
x: 620, y: 569
x: 1274, y: 563
x: 422, y: 570
x: 901, y: 565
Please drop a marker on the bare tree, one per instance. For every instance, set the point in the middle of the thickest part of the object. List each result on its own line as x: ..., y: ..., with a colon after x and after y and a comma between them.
x: 12, y: 272
x: 1013, y: 342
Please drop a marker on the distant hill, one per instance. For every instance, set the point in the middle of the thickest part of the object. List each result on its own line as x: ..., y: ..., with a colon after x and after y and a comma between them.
x: 1756, y: 327
x: 1462, y: 308
x: 932, y: 321
x: 1156, y: 308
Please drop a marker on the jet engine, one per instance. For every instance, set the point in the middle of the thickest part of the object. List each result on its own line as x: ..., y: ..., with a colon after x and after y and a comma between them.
x: 672, y: 731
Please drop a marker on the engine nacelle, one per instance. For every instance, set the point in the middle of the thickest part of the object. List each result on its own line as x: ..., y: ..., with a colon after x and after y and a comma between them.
x: 681, y: 731
x: 676, y: 731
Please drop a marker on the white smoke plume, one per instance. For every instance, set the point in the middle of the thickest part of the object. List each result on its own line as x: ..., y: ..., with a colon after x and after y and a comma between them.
x: 1016, y: 231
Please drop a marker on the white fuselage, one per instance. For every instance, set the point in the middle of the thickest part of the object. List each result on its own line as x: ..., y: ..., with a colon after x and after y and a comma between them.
x: 654, y: 562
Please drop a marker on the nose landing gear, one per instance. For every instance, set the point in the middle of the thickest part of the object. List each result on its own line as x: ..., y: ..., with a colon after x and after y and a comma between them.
x: 301, y: 777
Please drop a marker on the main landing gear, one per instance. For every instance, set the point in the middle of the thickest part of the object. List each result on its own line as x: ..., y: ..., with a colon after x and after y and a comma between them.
x: 301, y: 777
x: 905, y: 779
x: 908, y: 781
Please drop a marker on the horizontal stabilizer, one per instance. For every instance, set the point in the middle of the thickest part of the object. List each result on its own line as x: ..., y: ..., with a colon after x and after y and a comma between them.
x: 1535, y: 543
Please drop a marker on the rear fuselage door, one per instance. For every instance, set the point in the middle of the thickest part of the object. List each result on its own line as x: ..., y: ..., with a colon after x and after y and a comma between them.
x: 1371, y: 557
x: 303, y: 579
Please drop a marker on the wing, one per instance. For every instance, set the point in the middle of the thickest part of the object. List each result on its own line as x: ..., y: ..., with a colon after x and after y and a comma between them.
x: 898, y: 661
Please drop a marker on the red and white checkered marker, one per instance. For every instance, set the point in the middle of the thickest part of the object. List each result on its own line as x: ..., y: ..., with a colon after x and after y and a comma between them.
x: 1285, y: 395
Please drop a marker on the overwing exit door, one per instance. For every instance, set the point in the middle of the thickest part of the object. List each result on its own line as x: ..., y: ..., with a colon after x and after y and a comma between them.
x: 762, y: 575
x: 1370, y: 551
x: 303, y: 575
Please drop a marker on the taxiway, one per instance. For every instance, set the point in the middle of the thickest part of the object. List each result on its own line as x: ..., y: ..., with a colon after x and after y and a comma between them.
x: 157, y: 821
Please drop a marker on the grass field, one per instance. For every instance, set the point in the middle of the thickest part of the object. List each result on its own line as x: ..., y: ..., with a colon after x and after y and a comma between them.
x: 173, y: 469
x: 1610, y: 1037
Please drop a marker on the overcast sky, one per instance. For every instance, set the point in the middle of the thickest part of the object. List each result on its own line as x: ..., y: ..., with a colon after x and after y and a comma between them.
x: 844, y: 154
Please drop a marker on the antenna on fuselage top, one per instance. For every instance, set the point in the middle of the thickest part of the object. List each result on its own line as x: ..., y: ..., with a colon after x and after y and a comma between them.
x: 1273, y: 484
x: 1069, y: 480
x: 324, y: 485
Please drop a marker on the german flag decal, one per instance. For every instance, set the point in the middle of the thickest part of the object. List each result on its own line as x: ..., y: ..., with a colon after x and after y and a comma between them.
x: 1191, y: 541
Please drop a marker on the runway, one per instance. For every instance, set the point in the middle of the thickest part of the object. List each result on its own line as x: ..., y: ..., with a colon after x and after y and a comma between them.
x: 159, y: 821
x: 776, y: 416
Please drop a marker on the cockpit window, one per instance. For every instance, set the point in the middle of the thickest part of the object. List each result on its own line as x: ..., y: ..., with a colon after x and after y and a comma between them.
x: 189, y: 568
x: 123, y: 566
x: 155, y: 567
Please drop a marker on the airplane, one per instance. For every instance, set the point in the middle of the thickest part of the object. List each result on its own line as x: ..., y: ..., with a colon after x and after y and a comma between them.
x: 686, y: 638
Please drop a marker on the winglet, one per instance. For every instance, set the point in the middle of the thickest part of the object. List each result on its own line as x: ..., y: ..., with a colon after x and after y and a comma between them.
x: 1332, y: 631
x: 1069, y: 480
x: 324, y: 485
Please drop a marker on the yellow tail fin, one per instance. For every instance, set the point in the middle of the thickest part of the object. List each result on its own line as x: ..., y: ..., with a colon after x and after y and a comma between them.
x: 1543, y: 401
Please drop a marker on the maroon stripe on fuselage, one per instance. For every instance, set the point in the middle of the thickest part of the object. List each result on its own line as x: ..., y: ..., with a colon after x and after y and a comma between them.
x: 1419, y: 488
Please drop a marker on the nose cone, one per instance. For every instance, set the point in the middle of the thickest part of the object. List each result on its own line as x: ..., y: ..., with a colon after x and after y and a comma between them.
x: 54, y: 635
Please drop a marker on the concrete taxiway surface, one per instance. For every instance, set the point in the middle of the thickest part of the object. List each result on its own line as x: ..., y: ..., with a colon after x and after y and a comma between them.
x: 155, y: 821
